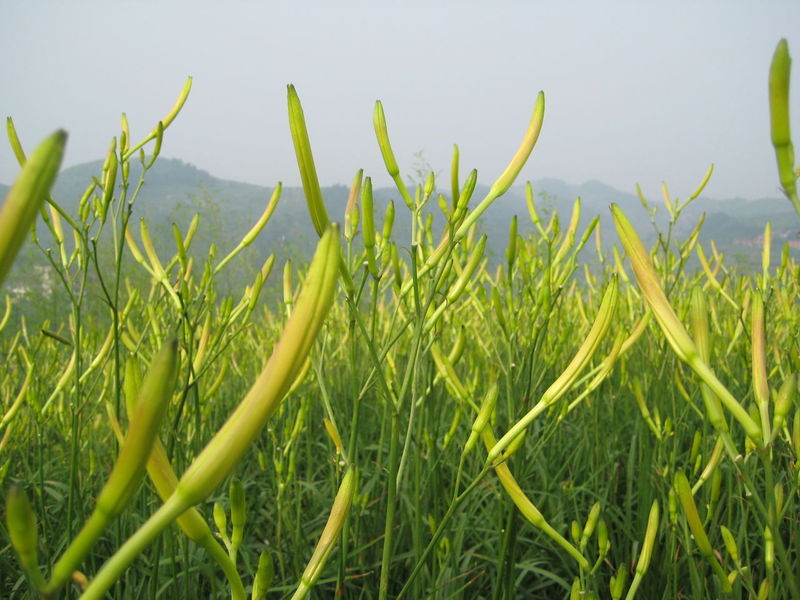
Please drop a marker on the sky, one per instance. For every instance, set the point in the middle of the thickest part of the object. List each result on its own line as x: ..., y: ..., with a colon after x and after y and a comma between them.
x: 636, y: 92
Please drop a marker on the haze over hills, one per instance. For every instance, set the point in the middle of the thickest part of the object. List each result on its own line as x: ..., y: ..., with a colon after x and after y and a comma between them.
x: 175, y: 190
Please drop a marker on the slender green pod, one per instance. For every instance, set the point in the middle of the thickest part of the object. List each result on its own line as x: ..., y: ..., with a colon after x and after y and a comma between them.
x: 507, y: 177
x: 264, y: 576
x: 22, y: 530
x: 238, y: 515
x: 351, y: 209
x: 780, y: 123
x: 157, y: 132
x: 368, y: 233
x: 327, y: 541
x: 696, y: 526
x: 305, y: 161
x: 565, y: 381
x: 468, y: 271
x: 382, y: 133
x: 671, y: 326
x: 26, y: 196
x: 759, y: 363
x: 251, y: 235
x: 526, y: 507
x: 154, y: 394
x: 643, y: 564
x: 783, y: 403
x: 454, y: 187
x: 482, y: 420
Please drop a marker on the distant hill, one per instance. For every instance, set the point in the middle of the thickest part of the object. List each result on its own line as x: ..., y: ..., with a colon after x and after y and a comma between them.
x: 175, y: 190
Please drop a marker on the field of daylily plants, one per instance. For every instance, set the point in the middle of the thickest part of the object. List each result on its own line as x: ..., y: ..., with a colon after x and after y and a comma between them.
x: 412, y: 420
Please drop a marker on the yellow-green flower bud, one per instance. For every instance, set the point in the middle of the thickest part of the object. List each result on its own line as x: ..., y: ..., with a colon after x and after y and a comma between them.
x: 780, y: 123
x: 237, y: 515
x: 603, y: 543
x: 618, y: 582
x: 671, y: 326
x: 154, y: 394
x: 469, y: 270
x: 221, y: 521
x: 575, y: 531
x: 222, y: 453
x: 351, y: 209
x: 26, y: 196
x: 501, y: 185
x: 730, y: 543
x: 784, y: 402
x: 339, y: 511
x: 388, y: 223
x: 21, y: 524
x: 591, y: 524
x: 482, y: 420
x: 511, y: 251
x: 305, y: 161
x: 264, y: 576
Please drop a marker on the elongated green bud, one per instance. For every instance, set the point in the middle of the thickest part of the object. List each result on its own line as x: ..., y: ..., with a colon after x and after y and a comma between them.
x: 237, y: 515
x: 388, y: 223
x: 382, y: 133
x: 759, y: 362
x: 482, y: 420
x: 13, y: 140
x: 465, y: 196
x: 603, y: 543
x: 233, y: 439
x: 221, y: 522
x: 644, y: 557
x: 730, y: 543
x: 264, y: 576
x: 454, y: 176
x: 692, y: 516
x: 26, y: 196
x: 591, y: 524
x: 339, y: 511
x: 506, y: 179
x: 109, y: 179
x: 21, y: 524
x: 305, y: 160
x: 575, y: 531
x: 618, y: 581
x: 251, y: 235
x: 565, y: 381
x: 511, y: 251
x: 780, y: 123
x: 784, y: 402
x: 766, y: 254
x: 469, y: 270
x: 769, y: 550
x: 526, y: 507
x: 154, y: 394
x: 369, y: 227
x: 778, y: 491
x: 351, y: 210
x: 649, y: 539
x: 671, y: 326
x: 368, y: 214
x: 157, y: 132
x: 698, y: 532
x: 288, y: 293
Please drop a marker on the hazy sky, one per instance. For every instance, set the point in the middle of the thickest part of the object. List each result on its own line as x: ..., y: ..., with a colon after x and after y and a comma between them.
x: 636, y: 91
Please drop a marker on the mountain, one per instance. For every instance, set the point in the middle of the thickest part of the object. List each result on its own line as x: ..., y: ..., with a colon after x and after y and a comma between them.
x: 174, y: 191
